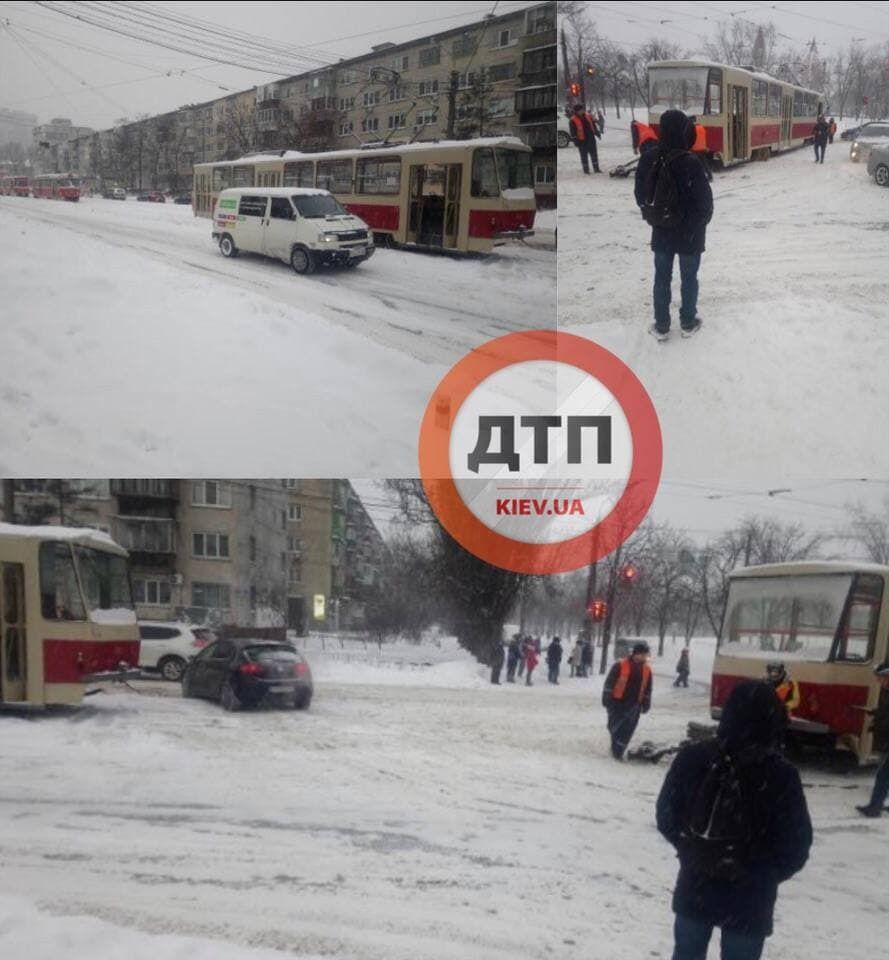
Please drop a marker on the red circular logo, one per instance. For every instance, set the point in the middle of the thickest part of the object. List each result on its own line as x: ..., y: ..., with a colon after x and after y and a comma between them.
x: 557, y: 385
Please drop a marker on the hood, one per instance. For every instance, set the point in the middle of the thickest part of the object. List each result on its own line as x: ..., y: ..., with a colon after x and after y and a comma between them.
x: 753, y: 716
x: 673, y: 125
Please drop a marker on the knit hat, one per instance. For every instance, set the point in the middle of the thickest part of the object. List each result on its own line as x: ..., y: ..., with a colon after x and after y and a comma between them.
x: 641, y: 648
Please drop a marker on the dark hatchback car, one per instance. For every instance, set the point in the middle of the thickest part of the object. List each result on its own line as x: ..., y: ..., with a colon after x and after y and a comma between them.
x: 245, y: 672
x: 152, y: 196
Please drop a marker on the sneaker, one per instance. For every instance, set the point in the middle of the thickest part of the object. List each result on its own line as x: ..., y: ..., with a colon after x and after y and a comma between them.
x: 691, y: 329
x: 660, y: 335
x: 868, y: 811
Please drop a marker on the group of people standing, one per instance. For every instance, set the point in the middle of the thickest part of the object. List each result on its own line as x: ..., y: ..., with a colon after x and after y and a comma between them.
x: 524, y: 653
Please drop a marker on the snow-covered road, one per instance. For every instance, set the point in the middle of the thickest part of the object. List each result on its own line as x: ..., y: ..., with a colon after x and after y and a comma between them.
x: 131, y: 344
x: 414, y: 813
x: 787, y: 377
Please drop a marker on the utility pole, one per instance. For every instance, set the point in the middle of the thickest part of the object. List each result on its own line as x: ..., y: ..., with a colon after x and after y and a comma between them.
x: 452, y: 104
x: 565, y: 57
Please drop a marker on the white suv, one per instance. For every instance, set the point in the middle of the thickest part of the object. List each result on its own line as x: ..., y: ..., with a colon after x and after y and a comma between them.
x: 167, y: 647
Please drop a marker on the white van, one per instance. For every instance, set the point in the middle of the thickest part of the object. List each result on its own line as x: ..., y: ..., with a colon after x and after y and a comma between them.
x: 305, y: 228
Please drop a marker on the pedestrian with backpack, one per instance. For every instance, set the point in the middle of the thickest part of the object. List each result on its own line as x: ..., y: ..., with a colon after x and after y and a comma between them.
x: 880, y: 726
x: 675, y: 199
x: 735, y: 811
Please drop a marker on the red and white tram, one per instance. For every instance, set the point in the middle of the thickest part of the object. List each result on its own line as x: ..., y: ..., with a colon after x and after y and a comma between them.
x: 746, y: 115
x: 56, y: 186
x: 15, y: 187
x: 829, y: 624
x: 66, y: 614
x: 453, y: 195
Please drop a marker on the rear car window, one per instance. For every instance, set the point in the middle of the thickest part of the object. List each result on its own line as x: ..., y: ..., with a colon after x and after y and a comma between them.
x: 157, y: 633
x: 272, y: 655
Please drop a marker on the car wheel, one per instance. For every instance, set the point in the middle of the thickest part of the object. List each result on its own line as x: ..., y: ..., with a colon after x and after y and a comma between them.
x: 881, y: 175
x: 172, y: 668
x: 302, y: 260
x: 302, y: 701
x: 227, y: 246
x: 229, y: 698
x: 562, y: 139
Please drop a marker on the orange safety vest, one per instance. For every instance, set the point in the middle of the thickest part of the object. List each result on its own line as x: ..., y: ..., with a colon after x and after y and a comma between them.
x: 577, y: 123
x: 620, y: 686
x: 700, y: 144
x: 788, y: 694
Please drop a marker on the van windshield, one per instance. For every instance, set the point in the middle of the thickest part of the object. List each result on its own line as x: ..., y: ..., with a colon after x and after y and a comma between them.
x: 317, y: 205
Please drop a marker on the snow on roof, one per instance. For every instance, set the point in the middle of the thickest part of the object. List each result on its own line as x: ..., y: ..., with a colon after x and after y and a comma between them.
x: 85, y: 536
x: 276, y: 191
x: 725, y: 66
x: 804, y: 567
x: 504, y: 141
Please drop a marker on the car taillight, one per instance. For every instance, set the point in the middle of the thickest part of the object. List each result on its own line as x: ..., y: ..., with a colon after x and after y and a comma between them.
x: 251, y: 670
x: 199, y: 643
x: 300, y: 669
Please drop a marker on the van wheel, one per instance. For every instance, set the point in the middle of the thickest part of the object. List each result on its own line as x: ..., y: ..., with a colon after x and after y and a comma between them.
x: 172, y: 668
x: 302, y: 260
x: 227, y: 246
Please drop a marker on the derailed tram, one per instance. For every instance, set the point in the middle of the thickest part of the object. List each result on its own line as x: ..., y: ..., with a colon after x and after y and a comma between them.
x: 746, y: 115
x: 67, y: 617
x: 828, y: 623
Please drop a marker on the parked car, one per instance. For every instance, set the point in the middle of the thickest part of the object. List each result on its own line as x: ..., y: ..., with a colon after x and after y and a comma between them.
x: 869, y: 136
x: 878, y: 165
x: 184, y: 198
x: 563, y: 131
x: 114, y: 193
x: 245, y: 672
x: 850, y: 133
x: 152, y: 196
x: 168, y: 646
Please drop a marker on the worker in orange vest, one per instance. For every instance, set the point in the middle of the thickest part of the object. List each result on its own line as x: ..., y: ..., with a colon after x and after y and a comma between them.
x: 584, y: 131
x: 697, y: 133
x: 643, y: 137
x: 626, y: 695
x: 831, y: 129
x: 786, y: 688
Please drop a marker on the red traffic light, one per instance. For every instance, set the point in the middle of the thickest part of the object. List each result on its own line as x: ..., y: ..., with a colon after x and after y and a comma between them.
x: 629, y: 573
x: 597, y: 609
x: 574, y: 89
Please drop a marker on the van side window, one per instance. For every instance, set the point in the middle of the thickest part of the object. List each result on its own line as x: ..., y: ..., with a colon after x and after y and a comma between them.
x: 281, y: 209
x: 252, y: 206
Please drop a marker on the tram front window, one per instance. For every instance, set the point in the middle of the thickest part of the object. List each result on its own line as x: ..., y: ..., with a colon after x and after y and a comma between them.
x: 314, y: 206
x: 106, y: 583
x: 514, y: 169
x: 59, y: 590
x: 677, y: 88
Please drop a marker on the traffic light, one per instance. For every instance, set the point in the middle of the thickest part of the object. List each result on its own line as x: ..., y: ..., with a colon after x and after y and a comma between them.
x: 574, y: 89
x: 597, y: 609
x: 629, y: 572
x: 590, y: 70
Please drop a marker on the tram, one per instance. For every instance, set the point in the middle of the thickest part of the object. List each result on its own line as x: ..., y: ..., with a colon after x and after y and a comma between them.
x: 745, y: 115
x: 461, y: 196
x: 66, y: 614
x: 15, y: 187
x: 56, y: 186
x: 829, y: 624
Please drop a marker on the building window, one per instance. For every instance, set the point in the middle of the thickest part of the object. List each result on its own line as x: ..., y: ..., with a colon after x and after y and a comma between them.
x: 428, y: 88
x: 504, y: 38
x: 426, y: 118
x: 538, y: 98
x: 501, y: 71
x: 252, y: 597
x: 211, y: 546
x: 294, y: 545
x: 397, y: 121
x: 295, y: 512
x: 370, y: 125
x: 346, y: 128
x: 211, y: 595
x: 295, y: 575
x: 253, y: 549
x: 151, y: 593
x: 347, y: 103
x: 463, y: 47
x: 538, y: 61
x: 539, y: 20
x: 396, y: 94
x: 210, y: 493
x: 401, y: 62
x: 372, y: 98
x: 545, y: 173
x: 465, y: 80
x: 430, y: 56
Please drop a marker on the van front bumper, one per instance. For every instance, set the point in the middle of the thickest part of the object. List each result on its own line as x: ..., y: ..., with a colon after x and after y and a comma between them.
x: 343, y: 255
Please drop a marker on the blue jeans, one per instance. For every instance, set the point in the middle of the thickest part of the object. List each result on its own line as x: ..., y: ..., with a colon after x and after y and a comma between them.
x: 693, y: 936
x: 881, y: 784
x: 663, y: 277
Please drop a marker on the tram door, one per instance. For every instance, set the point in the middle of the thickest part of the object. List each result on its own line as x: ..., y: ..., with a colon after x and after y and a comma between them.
x: 434, y: 216
x: 738, y: 123
x: 12, y: 633
x: 786, y: 119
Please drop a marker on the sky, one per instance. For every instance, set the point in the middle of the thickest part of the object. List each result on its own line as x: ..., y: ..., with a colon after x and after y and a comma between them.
x: 832, y: 25
x: 106, y: 77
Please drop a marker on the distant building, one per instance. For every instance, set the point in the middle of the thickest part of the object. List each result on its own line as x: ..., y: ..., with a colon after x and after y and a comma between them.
x: 52, y: 145
x: 16, y: 127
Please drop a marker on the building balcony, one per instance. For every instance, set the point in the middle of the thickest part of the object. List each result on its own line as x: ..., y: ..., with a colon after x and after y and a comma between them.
x: 151, y: 541
x: 146, y: 489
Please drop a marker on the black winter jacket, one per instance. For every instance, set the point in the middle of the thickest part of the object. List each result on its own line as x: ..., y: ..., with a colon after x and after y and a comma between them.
x: 783, y: 835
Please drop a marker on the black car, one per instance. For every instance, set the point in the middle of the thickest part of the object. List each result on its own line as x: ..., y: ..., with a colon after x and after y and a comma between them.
x: 183, y: 199
x: 850, y: 134
x: 245, y: 672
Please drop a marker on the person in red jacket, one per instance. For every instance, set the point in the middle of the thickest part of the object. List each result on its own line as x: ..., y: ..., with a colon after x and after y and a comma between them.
x: 626, y: 695
x: 584, y: 131
x: 532, y: 655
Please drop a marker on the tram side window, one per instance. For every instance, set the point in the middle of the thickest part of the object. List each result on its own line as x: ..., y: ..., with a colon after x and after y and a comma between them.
x: 713, y: 104
x: 858, y: 632
x: 59, y: 592
x: 799, y: 103
x: 106, y: 584
x: 760, y: 104
x: 379, y: 176
x: 774, y: 100
x: 335, y: 175
x: 484, y: 174
x: 252, y: 206
x: 242, y: 176
x: 222, y: 177
x: 299, y: 174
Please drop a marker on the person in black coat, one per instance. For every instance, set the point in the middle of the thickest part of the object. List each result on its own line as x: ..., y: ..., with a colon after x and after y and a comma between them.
x: 821, y: 132
x: 683, y: 669
x: 554, y: 659
x: 512, y: 657
x: 880, y: 726
x: 687, y: 238
x: 586, y: 658
x: 740, y: 898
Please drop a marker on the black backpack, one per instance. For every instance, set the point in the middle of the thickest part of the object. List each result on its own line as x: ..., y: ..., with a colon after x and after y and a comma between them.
x: 661, y: 205
x: 720, y: 827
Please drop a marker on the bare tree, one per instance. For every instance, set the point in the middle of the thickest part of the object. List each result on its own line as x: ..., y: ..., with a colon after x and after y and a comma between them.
x: 870, y: 531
